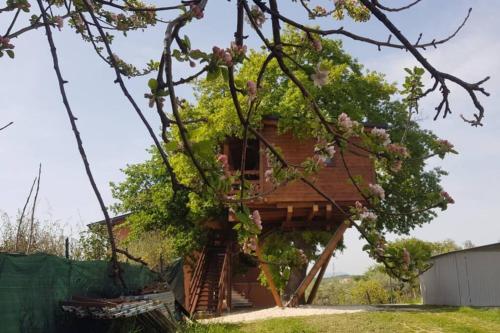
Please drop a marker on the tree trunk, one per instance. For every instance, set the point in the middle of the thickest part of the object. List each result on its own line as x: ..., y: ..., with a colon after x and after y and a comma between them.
x: 298, y: 273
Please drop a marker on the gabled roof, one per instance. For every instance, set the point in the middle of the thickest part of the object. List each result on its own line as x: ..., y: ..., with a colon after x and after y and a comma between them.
x: 114, y: 220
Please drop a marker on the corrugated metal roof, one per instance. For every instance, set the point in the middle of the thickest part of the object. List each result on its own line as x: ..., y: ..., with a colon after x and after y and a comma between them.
x: 488, y: 247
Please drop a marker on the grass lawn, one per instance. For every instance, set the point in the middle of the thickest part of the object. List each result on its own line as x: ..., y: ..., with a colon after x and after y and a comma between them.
x: 400, y: 320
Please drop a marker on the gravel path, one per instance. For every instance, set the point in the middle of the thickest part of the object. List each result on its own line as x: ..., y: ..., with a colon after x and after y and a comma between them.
x: 305, y: 310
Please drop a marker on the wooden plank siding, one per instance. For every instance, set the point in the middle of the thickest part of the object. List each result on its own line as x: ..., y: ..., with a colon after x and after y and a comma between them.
x: 332, y: 179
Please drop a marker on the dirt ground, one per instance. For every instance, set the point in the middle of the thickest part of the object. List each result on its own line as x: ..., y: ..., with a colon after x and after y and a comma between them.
x: 305, y: 310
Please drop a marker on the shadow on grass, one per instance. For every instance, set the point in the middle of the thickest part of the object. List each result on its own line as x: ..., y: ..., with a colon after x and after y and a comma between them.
x: 417, y: 307
x: 210, y: 328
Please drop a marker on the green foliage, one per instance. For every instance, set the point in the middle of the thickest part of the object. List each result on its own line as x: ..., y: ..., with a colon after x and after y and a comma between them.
x: 373, y: 287
x: 448, y: 245
x: 369, y: 292
x: 152, y: 247
x: 287, y: 250
x: 94, y: 243
x: 362, y: 95
x: 148, y: 195
x: 411, y: 257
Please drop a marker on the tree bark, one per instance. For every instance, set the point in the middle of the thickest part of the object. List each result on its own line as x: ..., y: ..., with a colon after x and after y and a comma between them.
x: 298, y: 273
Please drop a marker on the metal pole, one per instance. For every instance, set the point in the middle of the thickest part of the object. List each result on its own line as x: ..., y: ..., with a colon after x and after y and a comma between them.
x: 66, y: 247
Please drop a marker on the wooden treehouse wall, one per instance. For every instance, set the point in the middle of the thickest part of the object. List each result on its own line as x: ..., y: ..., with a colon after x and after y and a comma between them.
x: 332, y: 179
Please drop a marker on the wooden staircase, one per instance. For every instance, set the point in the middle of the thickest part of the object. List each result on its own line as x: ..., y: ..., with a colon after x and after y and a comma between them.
x: 209, y: 282
x: 239, y: 301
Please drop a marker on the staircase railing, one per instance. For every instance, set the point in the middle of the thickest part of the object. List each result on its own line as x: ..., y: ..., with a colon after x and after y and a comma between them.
x: 224, y: 282
x: 196, y: 281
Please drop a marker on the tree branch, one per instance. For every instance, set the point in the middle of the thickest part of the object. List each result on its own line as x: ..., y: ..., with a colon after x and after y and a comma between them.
x: 116, y: 270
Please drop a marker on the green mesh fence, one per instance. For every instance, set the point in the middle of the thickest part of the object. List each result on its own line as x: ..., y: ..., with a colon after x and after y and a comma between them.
x: 31, y: 288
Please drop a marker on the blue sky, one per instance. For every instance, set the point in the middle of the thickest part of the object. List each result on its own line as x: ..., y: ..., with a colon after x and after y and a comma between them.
x: 113, y: 136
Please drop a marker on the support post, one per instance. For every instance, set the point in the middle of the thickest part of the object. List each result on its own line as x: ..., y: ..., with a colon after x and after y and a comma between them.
x: 269, y: 277
x: 328, y: 212
x: 330, y: 247
x: 315, y: 287
x: 312, y: 213
x: 229, y: 286
x: 66, y: 248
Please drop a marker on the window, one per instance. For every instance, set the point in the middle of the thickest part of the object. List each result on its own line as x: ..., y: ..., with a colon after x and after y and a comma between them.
x: 252, y: 158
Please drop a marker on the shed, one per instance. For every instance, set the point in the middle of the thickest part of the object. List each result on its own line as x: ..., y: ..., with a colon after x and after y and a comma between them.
x: 469, y: 277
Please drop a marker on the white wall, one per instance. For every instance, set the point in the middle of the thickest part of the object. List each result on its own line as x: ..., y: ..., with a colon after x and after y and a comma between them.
x: 469, y: 278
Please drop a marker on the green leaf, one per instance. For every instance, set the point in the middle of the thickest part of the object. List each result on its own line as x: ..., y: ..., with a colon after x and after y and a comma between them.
x: 197, y: 54
x: 177, y: 55
x: 153, y: 85
x: 171, y: 146
x: 10, y: 53
x: 213, y: 74
x: 419, y: 71
x: 225, y: 73
x: 187, y: 42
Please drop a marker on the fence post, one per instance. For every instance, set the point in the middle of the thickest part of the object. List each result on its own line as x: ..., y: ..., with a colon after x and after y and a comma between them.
x: 66, y: 247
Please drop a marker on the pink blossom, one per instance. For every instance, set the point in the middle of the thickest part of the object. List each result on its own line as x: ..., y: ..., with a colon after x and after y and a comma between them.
x: 268, y: 175
x: 250, y: 245
x: 223, y: 55
x: 252, y: 89
x: 381, y: 135
x: 197, y: 11
x: 257, y: 15
x: 364, y: 213
x: 5, y: 43
x: 330, y: 149
x: 447, y: 197
x: 256, y: 219
x: 445, y: 145
x: 320, y: 78
x: 218, y: 52
x: 222, y: 159
x: 377, y: 190
x: 59, y: 22
x: 324, y: 153
x: 228, y: 59
x: 396, y: 165
x: 320, y: 11
x: 339, y: 3
x: 368, y: 216
x: 344, y: 121
x: 237, y: 50
x: 398, y: 150
x: 316, y: 44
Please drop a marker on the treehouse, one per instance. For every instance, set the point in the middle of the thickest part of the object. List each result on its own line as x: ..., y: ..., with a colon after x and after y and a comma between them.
x: 221, y: 278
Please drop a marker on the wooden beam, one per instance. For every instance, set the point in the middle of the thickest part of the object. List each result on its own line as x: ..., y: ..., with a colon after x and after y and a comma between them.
x: 289, y: 213
x: 229, y: 283
x: 312, y: 213
x: 330, y: 247
x: 329, y: 212
x: 287, y: 223
x: 315, y: 287
x: 269, y: 277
